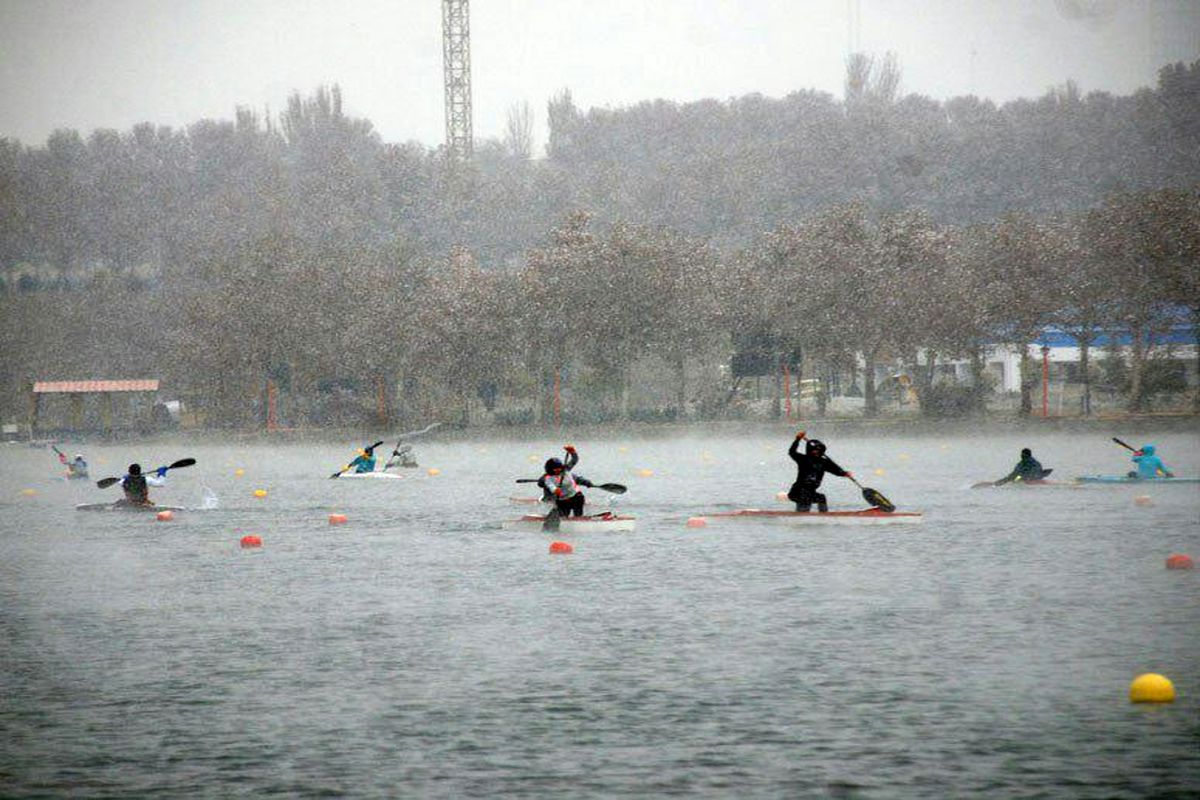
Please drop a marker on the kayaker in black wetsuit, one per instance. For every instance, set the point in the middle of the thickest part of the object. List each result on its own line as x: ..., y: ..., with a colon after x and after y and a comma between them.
x: 559, y: 485
x: 137, y: 491
x: 1027, y: 469
x: 811, y: 466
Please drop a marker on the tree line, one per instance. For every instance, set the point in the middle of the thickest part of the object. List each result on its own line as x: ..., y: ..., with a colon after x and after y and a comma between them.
x: 883, y: 229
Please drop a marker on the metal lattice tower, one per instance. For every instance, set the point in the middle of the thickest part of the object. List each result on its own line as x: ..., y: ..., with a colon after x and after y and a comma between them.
x: 456, y: 62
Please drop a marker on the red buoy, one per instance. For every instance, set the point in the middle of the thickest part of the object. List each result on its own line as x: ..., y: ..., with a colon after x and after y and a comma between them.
x: 165, y: 516
x: 561, y: 548
x: 1179, y: 561
x: 337, y: 519
x: 697, y: 522
x: 251, y: 541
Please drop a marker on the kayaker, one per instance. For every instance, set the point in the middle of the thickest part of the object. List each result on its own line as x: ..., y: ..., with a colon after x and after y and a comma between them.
x: 76, y: 467
x: 364, y: 461
x: 1149, y: 466
x: 559, y: 485
x: 135, y: 486
x: 1027, y: 469
x: 811, y: 466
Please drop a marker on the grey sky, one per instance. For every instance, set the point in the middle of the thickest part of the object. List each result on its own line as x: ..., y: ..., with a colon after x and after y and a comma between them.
x: 113, y: 63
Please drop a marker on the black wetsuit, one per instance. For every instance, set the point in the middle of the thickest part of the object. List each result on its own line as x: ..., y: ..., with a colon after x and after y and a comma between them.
x: 810, y: 471
x: 1027, y: 469
x: 137, y: 491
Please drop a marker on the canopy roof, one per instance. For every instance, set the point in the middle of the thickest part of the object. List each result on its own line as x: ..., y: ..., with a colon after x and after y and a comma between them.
x: 73, y: 387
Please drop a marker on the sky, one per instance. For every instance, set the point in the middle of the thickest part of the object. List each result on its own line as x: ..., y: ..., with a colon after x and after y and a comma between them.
x: 87, y: 64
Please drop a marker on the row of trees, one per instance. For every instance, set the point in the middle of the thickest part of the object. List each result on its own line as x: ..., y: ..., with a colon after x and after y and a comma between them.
x: 155, y: 199
x: 845, y: 286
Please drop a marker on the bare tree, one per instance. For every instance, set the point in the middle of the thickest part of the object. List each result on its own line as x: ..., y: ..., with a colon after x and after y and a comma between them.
x: 518, y: 130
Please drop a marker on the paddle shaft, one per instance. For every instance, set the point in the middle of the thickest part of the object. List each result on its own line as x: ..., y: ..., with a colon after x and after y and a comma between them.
x: 1127, y: 447
x: 104, y: 483
x: 612, y: 488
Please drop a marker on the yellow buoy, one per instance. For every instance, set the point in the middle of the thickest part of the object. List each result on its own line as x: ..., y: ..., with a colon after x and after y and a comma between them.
x: 622, y: 449
x: 645, y: 473
x: 260, y: 492
x: 903, y: 456
x: 239, y: 472
x: 29, y: 492
x: 880, y: 472
x: 531, y: 459
x: 1151, y: 688
x: 434, y: 471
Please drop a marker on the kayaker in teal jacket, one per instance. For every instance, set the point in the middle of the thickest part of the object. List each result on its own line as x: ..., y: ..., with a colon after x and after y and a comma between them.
x: 1150, y: 466
x: 1027, y: 469
x: 364, y: 461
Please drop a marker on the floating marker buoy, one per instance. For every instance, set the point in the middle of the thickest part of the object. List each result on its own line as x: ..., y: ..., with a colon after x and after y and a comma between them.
x: 880, y: 472
x: 697, y: 522
x: 1143, y: 500
x: 531, y: 459
x: 337, y: 519
x: 260, y: 492
x: 561, y: 548
x: 622, y: 449
x: 434, y: 471
x: 251, y: 541
x: 29, y: 492
x: 645, y: 473
x: 1179, y: 561
x: 781, y: 497
x: 239, y: 472
x: 1151, y: 688
x: 903, y: 456
x: 165, y: 516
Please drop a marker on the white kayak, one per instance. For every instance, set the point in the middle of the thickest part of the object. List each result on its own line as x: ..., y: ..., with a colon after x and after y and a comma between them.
x: 866, y: 516
x: 374, y: 476
x: 605, y: 521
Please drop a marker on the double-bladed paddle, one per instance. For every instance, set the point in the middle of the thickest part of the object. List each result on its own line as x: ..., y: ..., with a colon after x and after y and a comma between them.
x: 338, y: 474
x: 104, y: 483
x: 611, y: 488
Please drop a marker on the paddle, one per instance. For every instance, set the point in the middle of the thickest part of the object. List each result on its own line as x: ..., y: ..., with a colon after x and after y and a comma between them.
x: 1127, y: 447
x: 611, y: 488
x: 62, y: 457
x: 989, y: 484
x: 338, y: 474
x: 104, y: 483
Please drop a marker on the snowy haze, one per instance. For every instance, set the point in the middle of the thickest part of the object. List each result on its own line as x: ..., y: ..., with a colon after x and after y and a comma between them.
x: 114, y: 63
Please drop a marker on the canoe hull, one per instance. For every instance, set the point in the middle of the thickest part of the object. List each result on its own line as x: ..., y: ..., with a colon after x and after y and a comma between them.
x: 126, y: 507
x: 377, y: 476
x: 595, y: 523
x: 1127, y: 479
x: 869, y: 516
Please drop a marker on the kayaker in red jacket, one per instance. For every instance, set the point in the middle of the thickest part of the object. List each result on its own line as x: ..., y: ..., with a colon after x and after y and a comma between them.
x: 559, y: 485
x: 811, y: 466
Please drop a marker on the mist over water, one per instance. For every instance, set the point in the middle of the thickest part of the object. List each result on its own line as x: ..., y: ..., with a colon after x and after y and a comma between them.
x: 420, y: 650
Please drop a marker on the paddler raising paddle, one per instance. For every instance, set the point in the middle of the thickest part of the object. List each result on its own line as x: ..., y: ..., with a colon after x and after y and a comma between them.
x: 559, y: 485
x: 1149, y: 466
x: 1027, y: 469
x: 811, y: 466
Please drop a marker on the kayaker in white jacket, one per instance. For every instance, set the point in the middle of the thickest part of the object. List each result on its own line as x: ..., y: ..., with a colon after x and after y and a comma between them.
x: 559, y: 485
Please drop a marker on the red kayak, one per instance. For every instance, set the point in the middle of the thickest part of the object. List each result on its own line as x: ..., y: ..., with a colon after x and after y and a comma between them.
x: 867, y: 516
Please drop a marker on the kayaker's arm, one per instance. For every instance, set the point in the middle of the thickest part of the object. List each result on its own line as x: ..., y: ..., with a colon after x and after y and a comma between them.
x: 832, y: 468
x: 582, y: 481
x: 794, y: 450
x: 572, y: 458
x: 1010, y: 477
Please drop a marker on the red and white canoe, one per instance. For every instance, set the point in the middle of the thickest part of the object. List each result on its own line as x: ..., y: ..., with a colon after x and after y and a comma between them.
x: 867, y: 516
x: 606, y: 521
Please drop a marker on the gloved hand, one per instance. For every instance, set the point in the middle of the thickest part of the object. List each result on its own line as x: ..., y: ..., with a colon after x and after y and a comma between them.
x: 160, y: 471
x: 569, y: 448
x: 800, y: 435
x: 850, y: 475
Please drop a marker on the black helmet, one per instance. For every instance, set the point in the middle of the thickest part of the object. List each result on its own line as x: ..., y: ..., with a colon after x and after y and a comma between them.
x: 553, y: 465
x: 135, y: 469
x: 1026, y: 453
x: 815, y: 446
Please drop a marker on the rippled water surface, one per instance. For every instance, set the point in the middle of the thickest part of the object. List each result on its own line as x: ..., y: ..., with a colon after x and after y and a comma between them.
x: 419, y: 650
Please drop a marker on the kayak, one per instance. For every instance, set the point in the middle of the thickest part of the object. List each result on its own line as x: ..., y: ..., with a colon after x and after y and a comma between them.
x: 1029, y: 484
x: 605, y: 521
x: 866, y: 516
x: 123, y: 506
x: 388, y: 476
x: 1127, y: 479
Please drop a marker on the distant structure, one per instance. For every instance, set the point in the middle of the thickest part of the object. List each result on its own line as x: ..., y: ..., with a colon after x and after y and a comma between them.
x: 456, y: 63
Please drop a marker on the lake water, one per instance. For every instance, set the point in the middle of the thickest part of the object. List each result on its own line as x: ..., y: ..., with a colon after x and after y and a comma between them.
x: 420, y: 650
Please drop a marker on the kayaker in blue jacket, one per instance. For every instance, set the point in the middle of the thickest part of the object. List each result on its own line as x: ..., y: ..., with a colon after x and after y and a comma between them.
x: 811, y: 466
x: 1149, y: 466
x: 364, y: 461
x: 559, y: 485
x: 1027, y: 469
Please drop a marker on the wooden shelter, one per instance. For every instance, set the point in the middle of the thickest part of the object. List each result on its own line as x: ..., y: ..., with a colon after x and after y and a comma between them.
x: 104, y: 391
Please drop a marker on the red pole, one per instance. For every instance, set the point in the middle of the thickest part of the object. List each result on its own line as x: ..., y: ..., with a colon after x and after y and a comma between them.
x: 787, y: 391
x: 557, y: 401
x: 1045, y: 381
